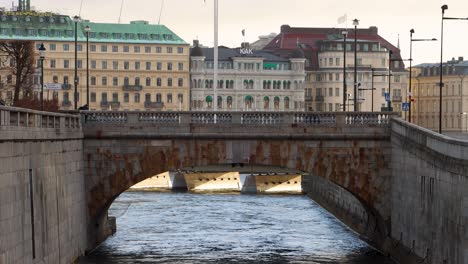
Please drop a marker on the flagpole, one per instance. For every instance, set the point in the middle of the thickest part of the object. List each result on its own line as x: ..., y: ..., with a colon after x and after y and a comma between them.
x: 215, y: 68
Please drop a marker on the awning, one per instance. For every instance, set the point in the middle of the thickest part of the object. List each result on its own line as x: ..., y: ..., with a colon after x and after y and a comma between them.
x: 248, y: 98
x: 209, y: 99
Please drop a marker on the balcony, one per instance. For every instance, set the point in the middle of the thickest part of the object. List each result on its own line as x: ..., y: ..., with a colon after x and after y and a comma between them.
x: 396, y: 98
x: 319, y: 98
x: 132, y: 88
x: 105, y: 104
x: 66, y: 86
x: 66, y: 103
x: 154, y: 105
x: 114, y: 105
x: 309, y: 98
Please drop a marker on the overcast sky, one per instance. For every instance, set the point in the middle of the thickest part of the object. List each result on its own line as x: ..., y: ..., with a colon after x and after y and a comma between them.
x: 191, y: 19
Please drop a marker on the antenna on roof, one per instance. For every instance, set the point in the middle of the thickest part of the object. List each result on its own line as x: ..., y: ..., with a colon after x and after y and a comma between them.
x: 160, y: 12
x: 398, y: 44
x: 81, y: 5
x: 121, y: 8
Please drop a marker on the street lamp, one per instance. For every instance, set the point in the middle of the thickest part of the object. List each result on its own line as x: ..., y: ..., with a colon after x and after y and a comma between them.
x: 441, y: 84
x: 76, y: 19
x: 345, y: 34
x: 372, y: 88
x: 42, y: 50
x: 355, y: 24
x: 87, y: 30
x: 410, y: 67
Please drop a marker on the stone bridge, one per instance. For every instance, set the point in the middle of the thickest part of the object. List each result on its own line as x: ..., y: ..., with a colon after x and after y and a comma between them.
x: 352, y: 151
x: 401, y: 187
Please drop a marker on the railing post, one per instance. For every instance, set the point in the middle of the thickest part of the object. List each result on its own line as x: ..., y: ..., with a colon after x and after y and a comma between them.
x: 288, y: 118
x: 133, y: 117
x: 185, y: 118
x: 340, y: 118
x: 236, y: 117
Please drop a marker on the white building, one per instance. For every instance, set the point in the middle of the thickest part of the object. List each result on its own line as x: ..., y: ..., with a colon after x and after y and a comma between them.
x: 248, y: 80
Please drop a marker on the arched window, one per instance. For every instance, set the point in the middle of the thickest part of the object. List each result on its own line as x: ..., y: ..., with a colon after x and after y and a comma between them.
x: 211, y: 83
x: 148, y: 97
x: 180, y: 98
x: 229, y: 102
x: 180, y: 82
x: 199, y: 84
x: 246, y: 84
x: 158, y: 82
x: 158, y: 97
x: 264, y: 84
x: 276, y: 102
x: 207, y: 84
x: 278, y: 84
x: 248, y: 101
x: 209, y: 101
x: 274, y: 84
x: 269, y: 85
x: 169, y: 82
x: 286, y: 102
x: 126, y: 81
x: 221, y: 84
x: 137, y: 81
x: 148, y: 81
x: 266, y: 102
x: 220, y: 102
x: 251, y: 84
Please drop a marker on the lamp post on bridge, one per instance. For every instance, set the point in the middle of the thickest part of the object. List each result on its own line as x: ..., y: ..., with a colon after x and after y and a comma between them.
x: 441, y: 83
x: 42, y: 50
x: 87, y: 30
x: 410, y: 68
x: 345, y: 91
x: 372, y: 89
x: 355, y: 23
x: 76, y: 19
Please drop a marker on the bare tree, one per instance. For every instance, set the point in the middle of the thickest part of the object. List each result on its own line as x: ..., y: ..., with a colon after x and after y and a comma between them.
x: 22, y: 54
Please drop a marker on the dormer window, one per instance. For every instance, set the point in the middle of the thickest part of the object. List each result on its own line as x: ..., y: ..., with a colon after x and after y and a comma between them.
x: 41, y: 19
x: 27, y: 19
x: 14, y: 18
x: 62, y: 20
x: 51, y: 20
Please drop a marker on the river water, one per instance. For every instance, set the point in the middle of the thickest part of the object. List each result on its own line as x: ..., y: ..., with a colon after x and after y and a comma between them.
x: 191, y: 228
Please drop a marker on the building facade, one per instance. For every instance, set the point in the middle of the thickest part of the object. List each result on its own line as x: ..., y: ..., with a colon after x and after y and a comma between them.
x: 324, y: 53
x: 426, y: 95
x: 249, y: 80
x: 135, y: 66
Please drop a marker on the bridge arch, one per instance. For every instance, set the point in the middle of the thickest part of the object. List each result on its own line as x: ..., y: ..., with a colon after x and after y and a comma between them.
x: 347, y: 163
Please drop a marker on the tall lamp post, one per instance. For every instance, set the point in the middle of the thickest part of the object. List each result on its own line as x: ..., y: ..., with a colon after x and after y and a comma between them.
x: 87, y: 30
x: 42, y: 50
x: 345, y: 91
x: 389, y: 103
x: 372, y: 89
x: 410, y: 68
x: 441, y: 84
x: 76, y: 19
x: 355, y: 24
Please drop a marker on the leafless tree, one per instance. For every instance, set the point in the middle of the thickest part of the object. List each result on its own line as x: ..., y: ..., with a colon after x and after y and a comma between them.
x: 21, y: 53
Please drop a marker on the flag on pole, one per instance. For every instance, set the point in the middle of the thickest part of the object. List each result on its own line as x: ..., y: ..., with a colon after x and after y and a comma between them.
x: 342, y: 19
x: 243, y: 32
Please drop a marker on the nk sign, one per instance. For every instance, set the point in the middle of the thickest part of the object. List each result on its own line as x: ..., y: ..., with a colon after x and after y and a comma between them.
x: 52, y: 86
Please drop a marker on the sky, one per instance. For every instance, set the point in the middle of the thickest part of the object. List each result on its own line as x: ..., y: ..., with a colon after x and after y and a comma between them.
x: 193, y: 19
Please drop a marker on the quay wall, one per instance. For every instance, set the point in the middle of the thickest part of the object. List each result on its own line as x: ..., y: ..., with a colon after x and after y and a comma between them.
x: 42, y: 188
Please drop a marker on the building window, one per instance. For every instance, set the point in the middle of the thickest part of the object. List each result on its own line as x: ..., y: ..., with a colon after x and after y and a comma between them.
x: 93, y: 64
x: 65, y: 79
x: 66, y: 47
x: 53, y: 63
x: 104, y: 65
x: 147, y: 97
x: 126, y: 98
x: 93, y: 97
x: 137, y: 65
x: 169, y: 82
x: 180, y: 50
x: 158, y: 49
x: 126, y: 81
x: 115, y: 97
x: 148, y: 65
x: 79, y: 47
x: 103, y: 48
x: 126, y: 65
x: 104, y: 81
x: 158, y: 98
x: 137, y: 98
x: 126, y: 48
x: 180, y: 98
x: 115, y: 65
x: 66, y: 64
x: 169, y: 66
x: 115, y: 48
x: 136, y: 49
x: 93, y: 80
x: 137, y: 81
x: 52, y: 47
x: 80, y: 64
x: 169, y: 49
x: 159, y: 66
x: 181, y: 66
x: 115, y: 81
x: 180, y: 82
x: 103, y: 97
x: 169, y: 98
x: 92, y: 48
x: 147, y: 49
x: 148, y: 81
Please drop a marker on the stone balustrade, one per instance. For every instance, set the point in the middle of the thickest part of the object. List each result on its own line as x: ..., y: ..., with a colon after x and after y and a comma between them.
x: 245, y: 118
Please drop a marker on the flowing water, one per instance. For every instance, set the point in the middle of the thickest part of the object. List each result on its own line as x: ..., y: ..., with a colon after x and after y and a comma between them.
x: 227, y: 228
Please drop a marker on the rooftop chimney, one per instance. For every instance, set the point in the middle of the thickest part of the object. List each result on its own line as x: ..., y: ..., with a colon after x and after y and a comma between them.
x: 460, y: 59
x: 196, y: 42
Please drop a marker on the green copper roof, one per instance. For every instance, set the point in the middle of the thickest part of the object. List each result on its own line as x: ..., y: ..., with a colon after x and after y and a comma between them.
x: 35, y: 26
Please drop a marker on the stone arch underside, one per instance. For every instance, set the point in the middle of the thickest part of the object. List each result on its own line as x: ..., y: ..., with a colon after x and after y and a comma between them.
x: 359, y: 166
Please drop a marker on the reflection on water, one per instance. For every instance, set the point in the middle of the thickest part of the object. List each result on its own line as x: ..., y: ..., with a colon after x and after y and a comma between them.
x: 205, y: 228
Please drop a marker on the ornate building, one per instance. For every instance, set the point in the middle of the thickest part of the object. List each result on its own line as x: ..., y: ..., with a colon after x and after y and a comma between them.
x: 324, y: 53
x: 425, y: 90
x: 248, y: 80
x: 136, y: 66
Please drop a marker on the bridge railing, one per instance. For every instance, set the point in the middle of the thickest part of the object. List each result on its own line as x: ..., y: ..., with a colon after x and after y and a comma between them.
x: 244, y: 118
x: 20, y: 117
